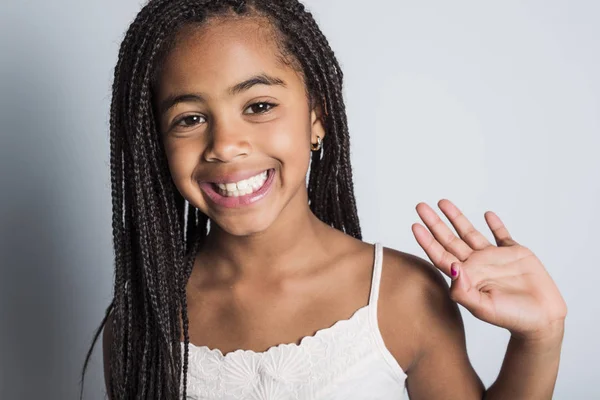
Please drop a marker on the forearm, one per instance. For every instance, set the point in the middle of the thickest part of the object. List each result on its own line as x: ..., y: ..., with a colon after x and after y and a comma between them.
x: 529, y: 369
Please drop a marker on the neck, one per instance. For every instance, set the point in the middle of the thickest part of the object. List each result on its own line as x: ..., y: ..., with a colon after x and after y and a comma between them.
x: 284, y: 248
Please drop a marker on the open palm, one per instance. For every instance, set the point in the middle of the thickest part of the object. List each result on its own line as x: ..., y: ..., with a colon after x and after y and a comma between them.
x: 505, y: 285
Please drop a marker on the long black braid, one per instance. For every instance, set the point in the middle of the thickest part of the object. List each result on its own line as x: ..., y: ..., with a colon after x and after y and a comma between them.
x: 156, y: 232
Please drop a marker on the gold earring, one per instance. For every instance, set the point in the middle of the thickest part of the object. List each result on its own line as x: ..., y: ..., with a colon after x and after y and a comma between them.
x: 316, y: 147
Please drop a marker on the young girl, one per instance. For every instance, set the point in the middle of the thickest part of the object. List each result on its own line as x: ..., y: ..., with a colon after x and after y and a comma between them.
x: 236, y: 280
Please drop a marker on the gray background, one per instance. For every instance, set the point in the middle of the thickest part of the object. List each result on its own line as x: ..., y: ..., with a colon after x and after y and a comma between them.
x: 494, y: 106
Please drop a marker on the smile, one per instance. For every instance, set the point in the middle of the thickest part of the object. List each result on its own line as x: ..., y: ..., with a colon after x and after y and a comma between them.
x: 241, y: 193
x: 242, y: 188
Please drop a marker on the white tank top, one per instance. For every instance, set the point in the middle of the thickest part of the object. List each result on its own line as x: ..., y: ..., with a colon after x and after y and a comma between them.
x: 347, y: 361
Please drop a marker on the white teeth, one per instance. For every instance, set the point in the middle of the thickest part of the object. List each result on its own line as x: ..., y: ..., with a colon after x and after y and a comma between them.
x: 242, y: 188
x: 243, y: 184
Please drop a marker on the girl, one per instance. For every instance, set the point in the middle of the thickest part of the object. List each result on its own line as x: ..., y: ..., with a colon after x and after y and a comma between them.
x: 236, y: 280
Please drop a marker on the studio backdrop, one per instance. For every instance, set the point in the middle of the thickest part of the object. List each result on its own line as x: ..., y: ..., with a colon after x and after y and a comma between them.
x: 493, y: 105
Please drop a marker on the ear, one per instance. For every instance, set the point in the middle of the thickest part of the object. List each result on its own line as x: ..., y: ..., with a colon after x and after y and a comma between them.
x: 316, y: 122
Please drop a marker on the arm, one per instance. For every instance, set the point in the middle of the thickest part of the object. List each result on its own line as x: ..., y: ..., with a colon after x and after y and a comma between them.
x: 529, y: 369
x: 440, y: 367
x: 506, y: 286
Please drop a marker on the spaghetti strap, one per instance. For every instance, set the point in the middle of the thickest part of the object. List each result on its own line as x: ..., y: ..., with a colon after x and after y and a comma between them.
x: 376, y: 278
x: 396, y: 369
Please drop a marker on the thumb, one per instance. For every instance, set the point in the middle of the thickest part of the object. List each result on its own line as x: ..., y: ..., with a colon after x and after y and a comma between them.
x: 461, y: 290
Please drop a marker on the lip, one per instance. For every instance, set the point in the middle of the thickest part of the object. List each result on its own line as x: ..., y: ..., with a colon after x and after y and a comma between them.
x: 242, y: 201
x: 235, y: 176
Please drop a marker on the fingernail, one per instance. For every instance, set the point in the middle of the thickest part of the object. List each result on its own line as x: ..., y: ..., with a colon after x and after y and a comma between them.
x: 454, y: 271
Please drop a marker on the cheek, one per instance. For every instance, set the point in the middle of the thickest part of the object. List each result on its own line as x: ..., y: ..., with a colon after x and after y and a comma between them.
x: 183, y: 158
x: 289, y: 140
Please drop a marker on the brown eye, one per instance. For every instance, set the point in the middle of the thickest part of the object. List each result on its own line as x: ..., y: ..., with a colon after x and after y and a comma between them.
x: 259, y: 108
x: 190, y: 120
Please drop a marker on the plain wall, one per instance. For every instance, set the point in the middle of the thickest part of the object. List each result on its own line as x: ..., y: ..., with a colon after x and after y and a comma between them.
x: 494, y: 106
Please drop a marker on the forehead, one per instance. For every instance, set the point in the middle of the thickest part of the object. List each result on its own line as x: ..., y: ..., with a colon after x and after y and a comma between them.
x: 222, y: 51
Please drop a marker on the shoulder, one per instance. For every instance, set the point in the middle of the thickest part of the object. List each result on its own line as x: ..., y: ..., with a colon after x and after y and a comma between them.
x: 408, y: 277
x: 414, y: 307
x: 423, y: 328
x: 413, y: 274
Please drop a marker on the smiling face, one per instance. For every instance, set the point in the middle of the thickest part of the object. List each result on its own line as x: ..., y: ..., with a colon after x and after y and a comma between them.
x: 236, y: 124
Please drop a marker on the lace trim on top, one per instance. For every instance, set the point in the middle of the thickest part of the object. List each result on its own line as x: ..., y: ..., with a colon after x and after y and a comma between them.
x: 287, y: 371
x: 302, y: 341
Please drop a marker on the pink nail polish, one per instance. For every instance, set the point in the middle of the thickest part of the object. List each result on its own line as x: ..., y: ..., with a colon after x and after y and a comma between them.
x: 454, y: 271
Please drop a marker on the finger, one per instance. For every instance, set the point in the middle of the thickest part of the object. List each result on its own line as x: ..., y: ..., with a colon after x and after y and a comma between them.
x: 463, y: 226
x: 436, y: 253
x: 466, y: 294
x: 461, y: 282
x: 498, y: 229
x: 443, y: 234
x: 461, y: 289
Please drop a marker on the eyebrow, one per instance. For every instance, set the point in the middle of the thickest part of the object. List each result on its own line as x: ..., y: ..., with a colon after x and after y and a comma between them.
x: 262, y: 79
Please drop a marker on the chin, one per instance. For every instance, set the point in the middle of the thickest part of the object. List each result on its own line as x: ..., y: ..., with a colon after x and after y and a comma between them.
x: 245, y: 226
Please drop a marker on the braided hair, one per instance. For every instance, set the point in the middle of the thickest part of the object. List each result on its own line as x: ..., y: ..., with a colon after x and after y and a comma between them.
x: 156, y: 232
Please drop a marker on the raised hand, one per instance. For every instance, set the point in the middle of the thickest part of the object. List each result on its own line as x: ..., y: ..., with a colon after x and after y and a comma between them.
x: 505, y: 285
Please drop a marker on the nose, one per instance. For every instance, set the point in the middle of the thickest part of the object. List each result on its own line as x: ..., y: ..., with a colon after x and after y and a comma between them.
x: 227, y: 142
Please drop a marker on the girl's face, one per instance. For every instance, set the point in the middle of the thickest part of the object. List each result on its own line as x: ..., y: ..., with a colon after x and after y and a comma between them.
x: 236, y: 125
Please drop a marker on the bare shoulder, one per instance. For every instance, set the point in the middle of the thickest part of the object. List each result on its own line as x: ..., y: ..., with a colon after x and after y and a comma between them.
x: 412, y: 291
x: 407, y: 278
x: 417, y: 274
x: 422, y: 327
